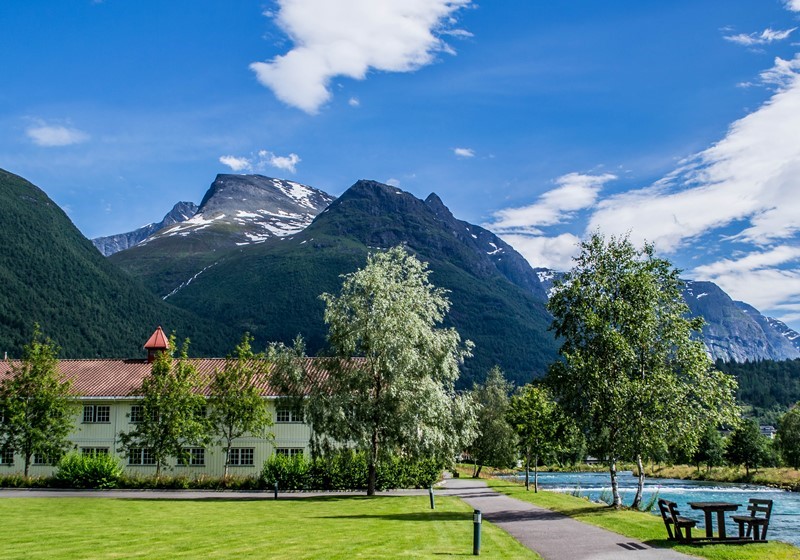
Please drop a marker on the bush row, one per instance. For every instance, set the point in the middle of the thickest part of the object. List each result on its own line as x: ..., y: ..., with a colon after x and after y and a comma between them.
x: 346, y: 470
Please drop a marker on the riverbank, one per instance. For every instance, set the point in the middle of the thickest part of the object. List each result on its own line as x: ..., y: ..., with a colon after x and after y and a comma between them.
x: 782, y: 478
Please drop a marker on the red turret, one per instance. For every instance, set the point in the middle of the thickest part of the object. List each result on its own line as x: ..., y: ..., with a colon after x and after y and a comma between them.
x: 158, y: 342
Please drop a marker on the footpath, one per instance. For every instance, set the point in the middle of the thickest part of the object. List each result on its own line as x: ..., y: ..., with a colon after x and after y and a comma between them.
x: 553, y: 535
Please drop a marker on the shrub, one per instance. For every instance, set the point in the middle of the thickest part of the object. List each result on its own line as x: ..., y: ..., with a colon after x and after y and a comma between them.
x: 291, y: 473
x: 88, y: 471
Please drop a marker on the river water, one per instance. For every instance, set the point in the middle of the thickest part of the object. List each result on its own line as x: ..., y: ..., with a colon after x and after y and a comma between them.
x: 784, y: 524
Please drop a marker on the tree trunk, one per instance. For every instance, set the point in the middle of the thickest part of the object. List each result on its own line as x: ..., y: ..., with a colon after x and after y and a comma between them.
x: 27, y: 463
x: 227, y: 460
x: 477, y: 473
x: 535, y: 473
x: 637, y: 499
x: 616, y: 500
x: 527, y: 470
x: 372, y: 472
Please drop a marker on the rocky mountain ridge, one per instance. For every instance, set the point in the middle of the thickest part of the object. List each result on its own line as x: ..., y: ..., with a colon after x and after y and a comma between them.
x: 111, y: 244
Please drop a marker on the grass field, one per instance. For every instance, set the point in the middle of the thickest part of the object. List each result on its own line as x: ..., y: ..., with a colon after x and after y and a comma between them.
x: 639, y: 525
x: 330, y: 527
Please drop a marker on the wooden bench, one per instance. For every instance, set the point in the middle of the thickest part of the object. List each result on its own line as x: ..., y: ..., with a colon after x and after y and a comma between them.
x: 753, y: 521
x: 673, y: 520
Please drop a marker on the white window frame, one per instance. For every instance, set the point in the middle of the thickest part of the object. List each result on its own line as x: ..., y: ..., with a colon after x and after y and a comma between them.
x: 94, y: 451
x: 197, y: 457
x: 242, y: 456
x: 141, y: 456
x: 7, y: 457
x: 290, y: 452
x: 92, y: 413
x: 137, y: 413
x: 288, y: 416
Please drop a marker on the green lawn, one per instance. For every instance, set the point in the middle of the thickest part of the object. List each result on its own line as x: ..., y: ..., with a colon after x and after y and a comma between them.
x: 331, y: 527
x: 643, y: 526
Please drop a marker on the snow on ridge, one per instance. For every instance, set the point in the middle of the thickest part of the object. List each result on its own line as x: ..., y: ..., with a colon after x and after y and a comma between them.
x: 496, y: 249
x: 704, y: 294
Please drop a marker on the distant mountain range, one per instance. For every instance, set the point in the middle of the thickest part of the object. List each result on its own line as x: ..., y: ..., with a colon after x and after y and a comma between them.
x: 257, y: 253
x: 371, y: 215
x: 111, y: 244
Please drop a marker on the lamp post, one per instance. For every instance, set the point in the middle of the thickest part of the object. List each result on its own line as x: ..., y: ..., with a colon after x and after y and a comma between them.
x: 433, y: 501
x: 476, y: 532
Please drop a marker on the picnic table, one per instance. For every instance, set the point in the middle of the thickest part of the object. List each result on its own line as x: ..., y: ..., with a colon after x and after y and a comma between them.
x: 719, y: 508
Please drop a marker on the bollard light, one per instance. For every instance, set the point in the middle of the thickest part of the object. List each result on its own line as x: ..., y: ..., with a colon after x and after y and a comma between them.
x: 276, y: 489
x: 433, y: 501
x: 476, y: 532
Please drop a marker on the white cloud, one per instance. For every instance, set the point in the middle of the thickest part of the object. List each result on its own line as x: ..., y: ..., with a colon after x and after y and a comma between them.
x: 750, y: 175
x: 575, y: 192
x: 236, y: 163
x: 766, y: 37
x: 793, y: 5
x: 261, y: 161
x: 286, y: 163
x: 393, y: 182
x: 783, y: 72
x: 464, y: 152
x: 546, y: 252
x: 354, y: 102
x: 348, y: 38
x: 48, y: 136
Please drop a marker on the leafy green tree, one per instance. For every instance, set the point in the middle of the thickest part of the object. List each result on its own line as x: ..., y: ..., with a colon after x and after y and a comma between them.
x: 389, y: 387
x: 632, y: 375
x: 537, y: 420
x: 496, y: 444
x: 789, y: 437
x: 710, y: 449
x: 172, y: 410
x: 236, y: 405
x: 746, y: 446
x: 37, y: 412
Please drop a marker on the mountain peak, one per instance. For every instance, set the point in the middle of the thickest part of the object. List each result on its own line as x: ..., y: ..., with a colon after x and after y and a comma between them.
x: 436, y: 206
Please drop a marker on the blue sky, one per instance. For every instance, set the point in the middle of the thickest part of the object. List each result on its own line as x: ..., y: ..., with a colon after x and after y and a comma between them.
x: 677, y: 121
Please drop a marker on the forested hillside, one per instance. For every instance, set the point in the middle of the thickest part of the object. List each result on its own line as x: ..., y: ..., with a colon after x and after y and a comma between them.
x: 770, y: 387
x: 52, y: 275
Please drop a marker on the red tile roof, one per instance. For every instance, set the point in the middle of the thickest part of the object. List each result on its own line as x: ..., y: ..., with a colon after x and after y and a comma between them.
x: 120, y: 378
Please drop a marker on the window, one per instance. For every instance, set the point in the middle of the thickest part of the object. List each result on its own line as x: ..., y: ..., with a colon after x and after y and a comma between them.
x: 290, y: 451
x: 95, y: 414
x: 137, y: 413
x: 7, y: 457
x: 94, y: 451
x: 141, y: 456
x: 288, y: 415
x: 241, y: 456
x: 43, y: 460
x: 196, y: 458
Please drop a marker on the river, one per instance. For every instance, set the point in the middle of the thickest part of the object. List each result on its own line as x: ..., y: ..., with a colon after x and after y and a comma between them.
x: 784, y: 523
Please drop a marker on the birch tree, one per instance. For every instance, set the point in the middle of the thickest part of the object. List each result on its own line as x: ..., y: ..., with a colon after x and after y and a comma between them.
x: 633, y: 375
x: 390, y: 386
x: 37, y: 413
x: 171, y: 417
x: 496, y: 443
x: 236, y: 405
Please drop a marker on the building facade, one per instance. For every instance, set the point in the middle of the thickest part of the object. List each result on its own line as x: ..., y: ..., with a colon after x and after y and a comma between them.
x: 106, y: 406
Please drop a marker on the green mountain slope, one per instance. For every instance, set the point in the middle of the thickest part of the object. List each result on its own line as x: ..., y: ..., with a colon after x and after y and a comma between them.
x: 53, y: 275
x: 272, y: 289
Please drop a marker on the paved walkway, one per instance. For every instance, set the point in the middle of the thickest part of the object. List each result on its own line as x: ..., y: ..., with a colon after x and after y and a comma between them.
x: 553, y: 535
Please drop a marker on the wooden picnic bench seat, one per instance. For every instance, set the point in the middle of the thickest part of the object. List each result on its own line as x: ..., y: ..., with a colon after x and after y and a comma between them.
x: 673, y: 520
x: 753, y: 522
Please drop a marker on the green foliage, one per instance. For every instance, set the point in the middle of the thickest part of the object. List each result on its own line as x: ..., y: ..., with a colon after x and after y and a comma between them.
x: 97, y: 470
x: 53, y: 275
x: 632, y: 376
x: 496, y: 444
x: 347, y: 470
x: 768, y: 386
x: 236, y: 405
x: 37, y: 412
x: 539, y: 424
x: 398, y: 396
x: 171, y: 406
x: 788, y: 437
x: 746, y: 446
x: 711, y: 448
